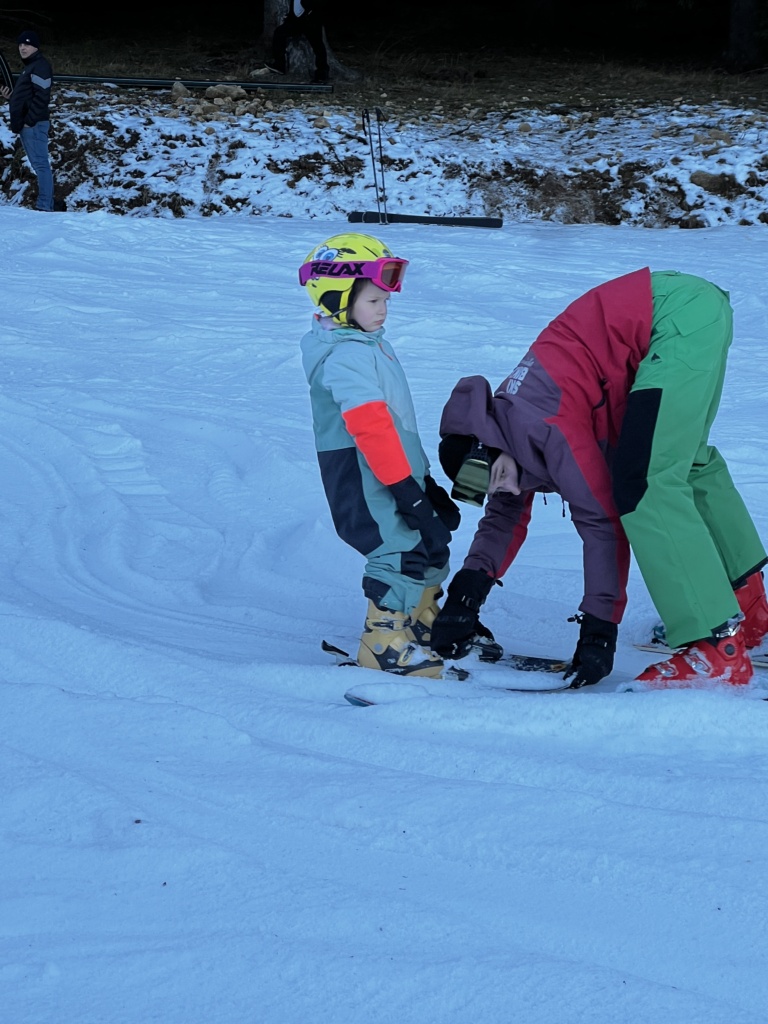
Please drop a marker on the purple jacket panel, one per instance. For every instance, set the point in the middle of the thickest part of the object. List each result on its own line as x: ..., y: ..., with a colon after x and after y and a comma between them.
x: 559, y: 415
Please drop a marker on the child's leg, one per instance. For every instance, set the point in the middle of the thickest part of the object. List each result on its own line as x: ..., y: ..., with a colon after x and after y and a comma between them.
x: 388, y: 586
x: 389, y: 642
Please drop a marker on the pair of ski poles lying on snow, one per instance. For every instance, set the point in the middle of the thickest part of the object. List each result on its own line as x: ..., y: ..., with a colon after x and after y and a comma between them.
x: 381, y: 194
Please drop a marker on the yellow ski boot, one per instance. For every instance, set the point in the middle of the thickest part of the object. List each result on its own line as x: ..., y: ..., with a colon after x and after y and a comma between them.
x: 388, y: 645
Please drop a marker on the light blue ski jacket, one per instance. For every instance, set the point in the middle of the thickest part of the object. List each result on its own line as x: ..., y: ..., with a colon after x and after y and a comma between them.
x: 366, y: 433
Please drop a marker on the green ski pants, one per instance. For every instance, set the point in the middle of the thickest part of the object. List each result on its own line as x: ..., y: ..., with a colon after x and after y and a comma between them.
x: 690, y: 532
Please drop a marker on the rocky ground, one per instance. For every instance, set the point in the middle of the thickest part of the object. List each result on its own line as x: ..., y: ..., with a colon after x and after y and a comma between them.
x: 570, y: 141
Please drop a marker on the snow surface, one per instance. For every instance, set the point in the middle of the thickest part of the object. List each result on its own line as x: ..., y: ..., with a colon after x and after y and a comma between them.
x: 196, y: 827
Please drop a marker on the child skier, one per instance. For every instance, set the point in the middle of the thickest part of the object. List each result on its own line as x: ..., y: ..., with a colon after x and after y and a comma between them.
x: 383, y: 501
x: 611, y: 408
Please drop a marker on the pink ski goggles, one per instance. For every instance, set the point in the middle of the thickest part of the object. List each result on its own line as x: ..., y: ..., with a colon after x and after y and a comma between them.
x: 387, y: 272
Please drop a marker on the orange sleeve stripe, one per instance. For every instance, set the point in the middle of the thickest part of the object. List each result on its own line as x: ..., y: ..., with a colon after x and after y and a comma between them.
x: 374, y: 433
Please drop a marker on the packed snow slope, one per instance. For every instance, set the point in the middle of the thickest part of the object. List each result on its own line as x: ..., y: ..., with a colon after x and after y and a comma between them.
x: 196, y: 827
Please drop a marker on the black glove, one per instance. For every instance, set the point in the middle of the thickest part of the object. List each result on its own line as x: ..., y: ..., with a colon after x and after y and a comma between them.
x: 593, y: 657
x: 417, y: 511
x: 442, y: 503
x: 457, y: 622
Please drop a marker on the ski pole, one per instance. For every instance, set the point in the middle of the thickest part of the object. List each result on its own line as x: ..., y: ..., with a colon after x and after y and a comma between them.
x: 369, y: 135
x: 381, y: 166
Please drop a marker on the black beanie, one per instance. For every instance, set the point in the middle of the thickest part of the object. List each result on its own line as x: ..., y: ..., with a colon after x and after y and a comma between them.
x: 452, y: 451
x: 28, y: 36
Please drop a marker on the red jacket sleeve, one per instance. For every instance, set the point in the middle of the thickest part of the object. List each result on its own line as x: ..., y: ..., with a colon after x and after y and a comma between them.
x: 374, y: 432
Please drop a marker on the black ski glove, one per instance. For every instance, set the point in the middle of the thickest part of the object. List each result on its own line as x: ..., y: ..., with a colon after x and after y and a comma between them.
x: 457, y: 622
x: 417, y: 511
x: 442, y: 503
x: 593, y: 657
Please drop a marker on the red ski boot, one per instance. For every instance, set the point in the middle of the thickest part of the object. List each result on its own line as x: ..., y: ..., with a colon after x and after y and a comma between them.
x: 753, y: 603
x: 721, y: 659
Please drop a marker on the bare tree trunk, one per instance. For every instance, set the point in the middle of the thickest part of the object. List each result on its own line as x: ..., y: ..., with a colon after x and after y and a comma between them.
x: 301, y: 59
x: 743, y: 51
x: 275, y: 11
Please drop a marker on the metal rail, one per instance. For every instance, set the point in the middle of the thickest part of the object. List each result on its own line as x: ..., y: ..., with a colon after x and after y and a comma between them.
x: 189, y: 83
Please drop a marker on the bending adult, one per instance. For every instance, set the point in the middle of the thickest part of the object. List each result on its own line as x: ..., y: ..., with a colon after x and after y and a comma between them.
x: 611, y: 408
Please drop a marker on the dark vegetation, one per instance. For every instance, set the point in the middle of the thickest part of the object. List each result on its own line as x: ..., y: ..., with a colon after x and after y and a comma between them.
x: 585, y: 59
x: 414, y: 79
x: 595, y: 54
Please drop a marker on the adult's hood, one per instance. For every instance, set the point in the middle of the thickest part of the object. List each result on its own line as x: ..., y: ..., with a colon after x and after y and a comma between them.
x: 469, y: 411
x: 500, y: 422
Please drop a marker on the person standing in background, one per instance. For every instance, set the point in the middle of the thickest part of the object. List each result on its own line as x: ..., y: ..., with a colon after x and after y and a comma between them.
x: 29, y: 113
x: 304, y: 18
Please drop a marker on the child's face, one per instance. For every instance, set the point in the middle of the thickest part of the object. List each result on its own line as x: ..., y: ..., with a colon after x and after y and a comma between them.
x: 369, y: 309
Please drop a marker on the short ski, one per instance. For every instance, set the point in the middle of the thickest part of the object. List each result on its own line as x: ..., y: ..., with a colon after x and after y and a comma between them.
x: 388, y: 692
x: 452, y: 672
x: 519, y: 662
x: 399, y: 686
x: 534, y: 663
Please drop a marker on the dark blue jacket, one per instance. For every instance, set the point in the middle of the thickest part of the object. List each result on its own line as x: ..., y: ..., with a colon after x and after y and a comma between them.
x: 32, y: 93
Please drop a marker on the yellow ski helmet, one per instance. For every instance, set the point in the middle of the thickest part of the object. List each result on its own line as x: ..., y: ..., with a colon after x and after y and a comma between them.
x: 331, y: 269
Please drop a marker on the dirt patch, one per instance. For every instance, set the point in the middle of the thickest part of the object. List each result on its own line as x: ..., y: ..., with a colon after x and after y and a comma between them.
x: 414, y: 77
x: 455, y: 93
